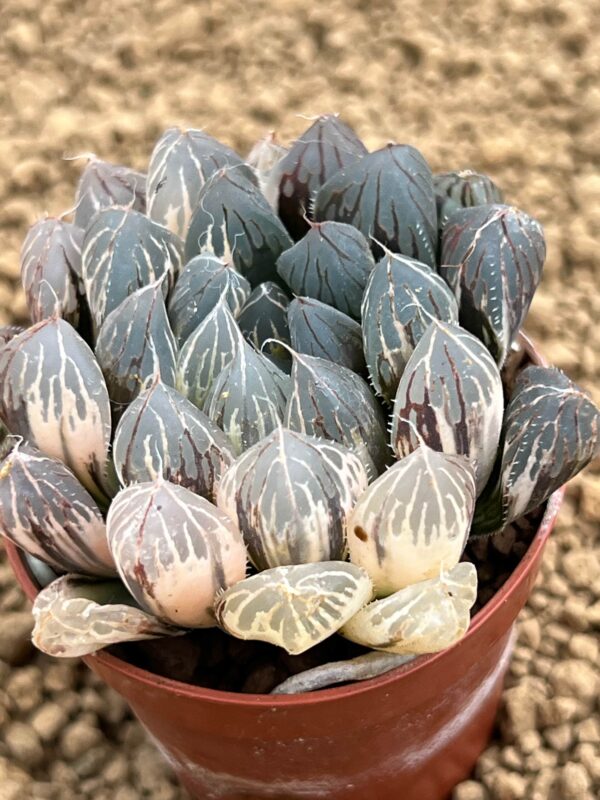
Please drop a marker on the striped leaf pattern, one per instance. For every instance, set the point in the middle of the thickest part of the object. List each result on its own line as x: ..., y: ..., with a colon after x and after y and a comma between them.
x: 136, y: 342
x: 331, y: 401
x: 46, y: 511
x: 463, y: 189
x: 209, y: 349
x: 123, y: 251
x: 174, y: 551
x: 248, y: 398
x: 401, y: 298
x: 103, y: 184
x: 264, y: 315
x: 234, y: 221
x: 388, y: 195
x: 75, y: 617
x: 413, y: 520
x: 317, y: 329
x: 450, y: 396
x: 52, y: 393
x: 327, y: 146
x: 198, y: 289
x: 425, y: 617
x: 331, y: 263
x: 51, y: 270
x: 552, y: 431
x: 161, y: 434
x: 492, y: 258
x: 290, y: 495
x: 294, y: 607
x: 180, y: 164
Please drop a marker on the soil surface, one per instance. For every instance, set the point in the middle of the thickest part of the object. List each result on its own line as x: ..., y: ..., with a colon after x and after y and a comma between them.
x: 509, y: 87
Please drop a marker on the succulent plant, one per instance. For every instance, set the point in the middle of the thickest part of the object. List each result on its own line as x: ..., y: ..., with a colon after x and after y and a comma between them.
x: 290, y: 495
x: 264, y: 322
x: 103, y: 185
x: 463, y: 189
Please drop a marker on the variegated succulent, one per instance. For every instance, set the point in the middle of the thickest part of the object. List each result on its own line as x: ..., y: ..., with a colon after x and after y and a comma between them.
x: 299, y: 365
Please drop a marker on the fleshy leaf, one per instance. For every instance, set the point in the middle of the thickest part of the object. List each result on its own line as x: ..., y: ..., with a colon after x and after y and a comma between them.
x: 181, y: 163
x: 413, y: 520
x: 46, y: 511
x: 234, y: 221
x: 317, y: 329
x: 75, y: 616
x: 51, y: 270
x: 262, y: 158
x: 401, y: 298
x: 331, y: 401
x: 198, y: 289
x: 492, y: 258
x: 450, y: 396
x: 263, y: 321
x: 163, y: 434
x: 103, y: 184
x: 327, y: 146
x: 389, y: 196
x: 331, y: 263
x: 425, y: 617
x: 174, y: 551
x: 52, y: 393
x: 290, y: 495
x: 248, y: 398
x: 124, y: 251
x: 552, y: 431
x: 206, y: 353
x: 463, y: 189
x: 136, y: 342
x: 294, y: 607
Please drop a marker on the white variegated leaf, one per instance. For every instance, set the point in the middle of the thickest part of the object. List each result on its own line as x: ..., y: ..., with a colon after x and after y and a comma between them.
x: 103, y: 184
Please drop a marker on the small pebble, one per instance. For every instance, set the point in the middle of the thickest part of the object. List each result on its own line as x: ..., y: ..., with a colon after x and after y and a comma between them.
x: 77, y: 738
x: 24, y: 745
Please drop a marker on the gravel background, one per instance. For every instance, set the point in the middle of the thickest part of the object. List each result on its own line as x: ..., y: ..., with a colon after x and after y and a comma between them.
x: 506, y: 86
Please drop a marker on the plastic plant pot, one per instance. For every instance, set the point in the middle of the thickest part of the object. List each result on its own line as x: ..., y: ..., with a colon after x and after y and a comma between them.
x: 411, y: 734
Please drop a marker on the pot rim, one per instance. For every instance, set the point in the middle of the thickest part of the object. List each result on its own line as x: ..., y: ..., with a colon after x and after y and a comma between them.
x: 517, y: 577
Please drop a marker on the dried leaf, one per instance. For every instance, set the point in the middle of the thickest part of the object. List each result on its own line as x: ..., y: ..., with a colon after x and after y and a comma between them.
x: 75, y: 616
x: 294, y: 607
x: 401, y: 298
x: 492, y: 259
x: 413, y: 521
x: 174, y: 551
x: 389, y: 196
x: 102, y: 185
x: 46, y: 511
x: 291, y: 495
x: 262, y: 158
x: 163, y: 434
x: 450, y: 396
x: 463, y: 189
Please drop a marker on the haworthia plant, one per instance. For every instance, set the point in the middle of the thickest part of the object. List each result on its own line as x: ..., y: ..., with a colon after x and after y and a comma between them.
x: 425, y: 617
x: 290, y: 495
x: 136, y: 342
x: 248, y: 398
x: 180, y: 164
x: 387, y: 195
x: 75, y: 617
x: 264, y: 315
x: 320, y: 330
x: 46, y: 511
x: 51, y: 270
x: 174, y: 551
x: 103, y: 184
x: 450, y: 396
x: 413, y: 520
x: 331, y: 263
x: 492, y: 258
x: 206, y: 352
x: 163, y: 434
x: 123, y: 251
x: 234, y: 221
x: 199, y: 286
x: 401, y: 298
x: 463, y: 189
x: 52, y: 393
x: 327, y: 146
x: 294, y: 607
x: 331, y: 401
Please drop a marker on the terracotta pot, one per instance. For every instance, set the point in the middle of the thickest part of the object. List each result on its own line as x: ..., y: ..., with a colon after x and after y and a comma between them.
x: 411, y: 734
